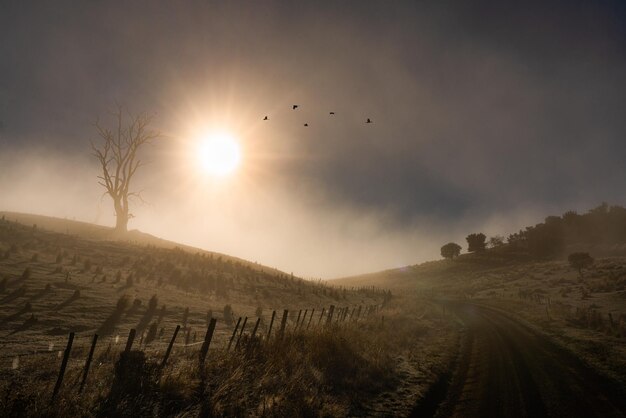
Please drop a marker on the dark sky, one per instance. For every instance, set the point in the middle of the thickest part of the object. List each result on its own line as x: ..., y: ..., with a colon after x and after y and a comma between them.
x: 486, y: 114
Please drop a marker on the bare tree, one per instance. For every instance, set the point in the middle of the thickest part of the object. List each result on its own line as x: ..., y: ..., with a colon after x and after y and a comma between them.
x: 119, y: 161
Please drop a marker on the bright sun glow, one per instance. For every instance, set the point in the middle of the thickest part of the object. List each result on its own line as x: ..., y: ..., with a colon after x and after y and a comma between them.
x: 219, y: 154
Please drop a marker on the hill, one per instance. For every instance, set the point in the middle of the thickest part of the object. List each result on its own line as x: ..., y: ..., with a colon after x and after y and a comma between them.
x: 77, y: 278
x: 531, y: 277
x: 375, y: 355
x: 94, y: 232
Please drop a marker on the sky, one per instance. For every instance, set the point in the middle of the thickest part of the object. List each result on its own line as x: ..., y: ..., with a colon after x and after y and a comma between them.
x: 487, y: 117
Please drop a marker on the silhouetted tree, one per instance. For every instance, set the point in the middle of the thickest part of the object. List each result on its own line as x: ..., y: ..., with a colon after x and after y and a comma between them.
x: 450, y: 250
x: 476, y: 242
x: 580, y: 261
x: 119, y: 160
x: 546, y: 239
x: 496, y: 241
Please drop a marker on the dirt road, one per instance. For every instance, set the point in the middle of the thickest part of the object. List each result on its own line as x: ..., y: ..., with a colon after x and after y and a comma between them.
x: 509, y: 370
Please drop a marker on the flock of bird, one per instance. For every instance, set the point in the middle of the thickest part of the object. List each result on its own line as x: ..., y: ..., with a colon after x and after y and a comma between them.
x: 294, y: 107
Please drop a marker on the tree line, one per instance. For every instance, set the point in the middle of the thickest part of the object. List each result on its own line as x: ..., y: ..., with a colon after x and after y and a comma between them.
x: 602, y: 225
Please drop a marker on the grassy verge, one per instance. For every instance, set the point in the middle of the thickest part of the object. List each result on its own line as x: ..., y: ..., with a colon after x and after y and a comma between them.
x: 337, y: 370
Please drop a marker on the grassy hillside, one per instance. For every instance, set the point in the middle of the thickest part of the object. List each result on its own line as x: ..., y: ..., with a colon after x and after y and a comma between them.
x: 586, y: 312
x: 51, y: 283
x: 94, y: 232
x: 377, y: 355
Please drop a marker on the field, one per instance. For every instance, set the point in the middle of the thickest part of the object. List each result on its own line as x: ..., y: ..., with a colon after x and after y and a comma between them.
x: 586, y: 313
x: 376, y: 353
x: 400, y: 342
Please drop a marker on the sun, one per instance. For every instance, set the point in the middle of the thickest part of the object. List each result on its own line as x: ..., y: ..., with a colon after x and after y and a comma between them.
x: 218, y: 154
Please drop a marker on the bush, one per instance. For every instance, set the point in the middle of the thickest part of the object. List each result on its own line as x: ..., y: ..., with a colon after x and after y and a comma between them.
x: 580, y: 261
x: 450, y: 250
x: 476, y: 242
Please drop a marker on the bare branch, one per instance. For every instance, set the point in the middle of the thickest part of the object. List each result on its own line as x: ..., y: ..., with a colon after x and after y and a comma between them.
x: 118, y: 160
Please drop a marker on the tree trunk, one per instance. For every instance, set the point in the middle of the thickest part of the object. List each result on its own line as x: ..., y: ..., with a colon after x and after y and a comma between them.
x: 121, y: 216
x: 121, y: 224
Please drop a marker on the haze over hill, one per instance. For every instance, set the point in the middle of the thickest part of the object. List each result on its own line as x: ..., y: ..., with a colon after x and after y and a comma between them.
x: 72, y: 278
x: 600, y: 231
x: 483, y: 120
x: 240, y: 208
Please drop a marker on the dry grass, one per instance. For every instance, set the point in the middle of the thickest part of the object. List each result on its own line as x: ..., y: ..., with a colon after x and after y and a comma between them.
x: 75, y: 282
x: 333, y: 370
x: 53, y: 283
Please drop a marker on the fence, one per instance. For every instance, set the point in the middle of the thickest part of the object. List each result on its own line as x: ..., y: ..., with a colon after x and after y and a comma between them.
x: 304, y: 320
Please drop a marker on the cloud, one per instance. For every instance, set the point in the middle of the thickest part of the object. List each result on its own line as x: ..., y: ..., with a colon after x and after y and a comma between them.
x: 485, y: 118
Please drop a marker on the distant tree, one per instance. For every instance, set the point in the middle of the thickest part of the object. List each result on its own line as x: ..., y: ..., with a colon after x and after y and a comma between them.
x: 450, y: 250
x: 119, y: 161
x: 476, y: 242
x: 570, y: 217
x: 496, y: 241
x: 546, y: 239
x: 580, y: 261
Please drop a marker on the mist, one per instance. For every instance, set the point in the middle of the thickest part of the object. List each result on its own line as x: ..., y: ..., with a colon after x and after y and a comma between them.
x: 477, y: 127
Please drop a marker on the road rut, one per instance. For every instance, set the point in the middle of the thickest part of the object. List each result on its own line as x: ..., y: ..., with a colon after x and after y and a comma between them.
x: 507, y: 369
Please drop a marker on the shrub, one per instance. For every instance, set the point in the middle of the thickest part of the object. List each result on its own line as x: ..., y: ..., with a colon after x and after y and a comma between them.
x: 450, y: 250
x: 580, y: 261
x: 476, y: 242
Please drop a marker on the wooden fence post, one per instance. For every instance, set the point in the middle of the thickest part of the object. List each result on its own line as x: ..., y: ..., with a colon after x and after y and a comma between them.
x: 232, y: 337
x: 306, y: 311
x: 66, y: 357
x: 131, y: 338
x: 241, y: 332
x: 283, y: 322
x: 88, y: 363
x: 256, y: 326
x: 321, y: 316
x: 298, y: 320
x: 207, y: 340
x: 331, y: 310
x: 269, y: 331
x: 169, y: 347
x: 310, y: 318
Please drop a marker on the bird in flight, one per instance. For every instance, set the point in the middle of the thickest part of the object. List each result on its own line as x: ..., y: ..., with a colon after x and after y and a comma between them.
x: 265, y: 118
x: 294, y: 107
x: 368, y: 120
x: 306, y: 124
x: 332, y: 113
